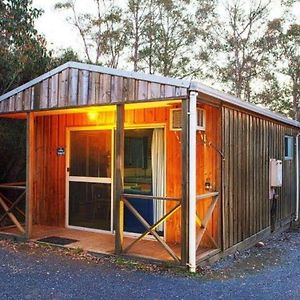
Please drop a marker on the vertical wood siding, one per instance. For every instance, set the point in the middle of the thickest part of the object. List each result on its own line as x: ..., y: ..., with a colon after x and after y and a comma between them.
x: 248, y: 142
x: 73, y: 87
x: 50, y: 179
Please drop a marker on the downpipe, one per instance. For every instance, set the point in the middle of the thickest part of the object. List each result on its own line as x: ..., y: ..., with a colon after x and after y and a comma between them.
x: 192, y: 181
x: 297, y: 178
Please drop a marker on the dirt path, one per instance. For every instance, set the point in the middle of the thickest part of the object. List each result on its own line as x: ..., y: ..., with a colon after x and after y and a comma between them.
x: 28, y: 271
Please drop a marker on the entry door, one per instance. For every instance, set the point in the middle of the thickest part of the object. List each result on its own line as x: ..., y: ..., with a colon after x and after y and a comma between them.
x: 90, y: 179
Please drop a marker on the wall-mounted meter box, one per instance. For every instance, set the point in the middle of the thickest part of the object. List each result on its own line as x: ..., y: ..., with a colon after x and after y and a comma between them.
x: 275, y: 172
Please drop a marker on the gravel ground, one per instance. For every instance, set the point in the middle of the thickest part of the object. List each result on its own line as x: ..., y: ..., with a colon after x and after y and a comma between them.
x: 28, y: 271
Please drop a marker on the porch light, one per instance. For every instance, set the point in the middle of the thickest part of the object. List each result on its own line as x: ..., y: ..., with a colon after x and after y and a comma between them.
x: 93, y: 115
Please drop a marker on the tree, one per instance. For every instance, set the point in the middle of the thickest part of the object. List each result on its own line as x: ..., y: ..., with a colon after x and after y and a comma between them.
x: 23, y: 53
x: 63, y: 56
x: 237, y: 45
x: 170, y: 37
x: 283, y: 42
x: 23, y: 56
x: 136, y: 16
x: 102, y: 33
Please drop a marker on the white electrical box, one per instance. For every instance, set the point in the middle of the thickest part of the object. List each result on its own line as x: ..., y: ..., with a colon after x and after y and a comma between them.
x: 275, y: 173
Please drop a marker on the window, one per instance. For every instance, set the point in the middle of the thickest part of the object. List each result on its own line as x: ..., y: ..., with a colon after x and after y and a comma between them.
x: 175, y: 118
x: 288, y: 147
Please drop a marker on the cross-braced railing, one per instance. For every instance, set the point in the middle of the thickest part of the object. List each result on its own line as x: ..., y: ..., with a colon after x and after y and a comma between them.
x: 10, y: 207
x: 151, y: 229
x: 203, y: 223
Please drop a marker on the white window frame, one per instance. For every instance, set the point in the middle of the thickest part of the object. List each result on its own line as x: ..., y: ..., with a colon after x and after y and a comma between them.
x: 199, y: 127
x: 290, y: 145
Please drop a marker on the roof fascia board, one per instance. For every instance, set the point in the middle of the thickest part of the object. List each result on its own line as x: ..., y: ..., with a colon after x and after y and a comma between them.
x: 134, y: 75
x: 35, y: 81
x: 100, y: 69
x: 199, y: 87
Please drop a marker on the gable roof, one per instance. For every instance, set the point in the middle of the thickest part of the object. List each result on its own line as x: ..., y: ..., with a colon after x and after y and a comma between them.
x: 99, y: 69
x: 139, y: 86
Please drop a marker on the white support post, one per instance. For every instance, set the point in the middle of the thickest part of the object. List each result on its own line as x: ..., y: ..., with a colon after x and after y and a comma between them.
x: 297, y: 179
x: 192, y: 179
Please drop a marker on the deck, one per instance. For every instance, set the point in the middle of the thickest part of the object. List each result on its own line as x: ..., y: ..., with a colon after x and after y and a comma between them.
x: 103, y: 243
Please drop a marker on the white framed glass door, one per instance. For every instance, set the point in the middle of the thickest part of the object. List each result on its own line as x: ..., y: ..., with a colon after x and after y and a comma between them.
x: 89, y: 179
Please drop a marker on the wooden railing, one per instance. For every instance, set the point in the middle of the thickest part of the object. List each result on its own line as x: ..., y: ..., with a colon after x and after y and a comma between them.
x: 10, y: 207
x: 150, y: 229
x: 202, y: 224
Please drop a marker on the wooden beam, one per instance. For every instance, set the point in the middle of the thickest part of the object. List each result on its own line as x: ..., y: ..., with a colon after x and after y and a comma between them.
x: 12, y: 205
x: 11, y: 215
x: 205, y: 220
x: 119, y: 179
x: 154, y: 226
x: 153, y: 232
x: 149, y: 197
x: 29, y: 173
x: 184, y: 183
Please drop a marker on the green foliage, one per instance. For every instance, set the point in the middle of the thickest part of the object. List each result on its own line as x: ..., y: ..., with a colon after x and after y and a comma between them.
x: 282, y: 77
x: 64, y: 56
x: 102, y: 33
x: 237, y: 47
x: 170, y: 34
x: 232, y: 42
x: 12, y: 150
x: 23, y: 56
x: 23, y: 53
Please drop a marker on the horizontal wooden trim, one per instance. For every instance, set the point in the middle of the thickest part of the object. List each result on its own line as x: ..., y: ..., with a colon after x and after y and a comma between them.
x: 207, y: 195
x: 12, y: 187
x: 149, y: 197
x: 250, y: 241
x: 12, y: 237
x: 206, y: 255
x: 14, y: 183
x: 90, y: 179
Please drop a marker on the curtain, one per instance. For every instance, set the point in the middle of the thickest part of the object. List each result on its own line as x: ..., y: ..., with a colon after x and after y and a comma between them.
x: 158, y: 174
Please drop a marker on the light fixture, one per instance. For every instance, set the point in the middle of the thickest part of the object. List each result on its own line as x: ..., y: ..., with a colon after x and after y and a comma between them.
x: 93, y: 115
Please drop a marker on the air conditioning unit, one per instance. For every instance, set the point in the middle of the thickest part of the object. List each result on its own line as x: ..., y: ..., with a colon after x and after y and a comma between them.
x: 175, y: 119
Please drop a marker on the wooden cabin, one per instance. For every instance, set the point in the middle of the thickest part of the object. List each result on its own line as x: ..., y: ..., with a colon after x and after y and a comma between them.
x: 134, y: 164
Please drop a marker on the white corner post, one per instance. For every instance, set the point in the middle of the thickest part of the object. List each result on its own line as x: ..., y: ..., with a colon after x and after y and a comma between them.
x: 297, y: 178
x: 192, y: 111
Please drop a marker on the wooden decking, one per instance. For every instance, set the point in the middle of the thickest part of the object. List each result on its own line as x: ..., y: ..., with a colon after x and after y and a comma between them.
x: 102, y: 242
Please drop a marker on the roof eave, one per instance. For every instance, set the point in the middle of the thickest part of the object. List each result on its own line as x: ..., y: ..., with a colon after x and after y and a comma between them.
x: 202, y: 88
x: 94, y: 68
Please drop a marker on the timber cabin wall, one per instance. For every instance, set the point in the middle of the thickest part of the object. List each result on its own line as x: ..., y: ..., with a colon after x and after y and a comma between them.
x: 248, y: 142
x: 50, y: 176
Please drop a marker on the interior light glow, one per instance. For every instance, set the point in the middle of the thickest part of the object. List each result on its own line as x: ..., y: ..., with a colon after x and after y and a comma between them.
x: 93, y: 115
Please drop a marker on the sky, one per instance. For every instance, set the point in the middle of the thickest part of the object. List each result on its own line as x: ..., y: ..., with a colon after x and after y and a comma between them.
x: 60, y: 34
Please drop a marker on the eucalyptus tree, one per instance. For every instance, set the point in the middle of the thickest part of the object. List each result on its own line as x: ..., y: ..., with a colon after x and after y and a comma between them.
x: 101, y: 31
x: 282, y: 78
x: 236, y: 43
x: 23, y: 53
x: 136, y: 12
x: 170, y: 37
x: 23, y: 56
